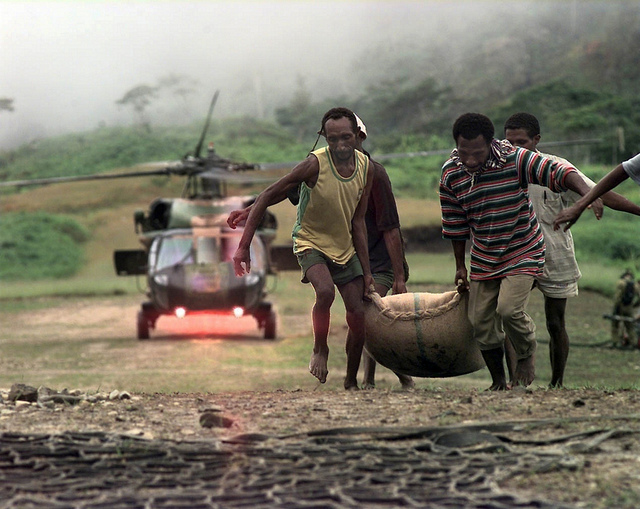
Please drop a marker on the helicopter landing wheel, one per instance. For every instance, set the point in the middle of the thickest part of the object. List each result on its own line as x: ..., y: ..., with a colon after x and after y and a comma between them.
x: 270, y: 326
x: 142, y: 325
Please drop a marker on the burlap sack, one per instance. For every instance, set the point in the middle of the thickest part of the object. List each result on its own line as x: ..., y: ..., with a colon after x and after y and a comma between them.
x: 422, y: 334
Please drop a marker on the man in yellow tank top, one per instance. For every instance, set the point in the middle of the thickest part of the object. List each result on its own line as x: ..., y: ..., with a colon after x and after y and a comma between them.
x: 330, y: 239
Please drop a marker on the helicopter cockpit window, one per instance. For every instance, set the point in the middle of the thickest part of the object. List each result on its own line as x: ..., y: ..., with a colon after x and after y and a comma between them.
x: 174, y: 251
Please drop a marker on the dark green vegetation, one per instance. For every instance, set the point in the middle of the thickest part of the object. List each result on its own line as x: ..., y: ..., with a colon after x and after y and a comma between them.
x: 40, y: 245
x: 106, y: 149
x: 24, y: 256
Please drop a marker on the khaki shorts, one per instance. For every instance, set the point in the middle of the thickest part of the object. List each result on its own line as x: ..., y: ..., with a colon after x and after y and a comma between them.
x: 558, y: 289
x: 340, y: 274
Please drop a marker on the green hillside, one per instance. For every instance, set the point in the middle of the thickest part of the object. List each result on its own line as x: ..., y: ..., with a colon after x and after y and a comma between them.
x: 71, y: 229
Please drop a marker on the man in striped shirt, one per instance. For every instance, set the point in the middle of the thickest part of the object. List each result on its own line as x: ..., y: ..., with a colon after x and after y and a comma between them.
x: 483, y: 197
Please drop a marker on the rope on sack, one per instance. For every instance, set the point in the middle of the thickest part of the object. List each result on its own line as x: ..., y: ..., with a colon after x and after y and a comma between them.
x: 429, y: 313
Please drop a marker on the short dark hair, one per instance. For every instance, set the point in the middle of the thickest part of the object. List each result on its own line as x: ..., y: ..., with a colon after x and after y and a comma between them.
x: 524, y: 121
x: 335, y: 114
x: 472, y: 125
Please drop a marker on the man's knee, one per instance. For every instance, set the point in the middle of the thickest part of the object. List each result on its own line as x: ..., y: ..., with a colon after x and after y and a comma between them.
x: 355, y: 319
x: 508, y: 311
x: 325, y: 295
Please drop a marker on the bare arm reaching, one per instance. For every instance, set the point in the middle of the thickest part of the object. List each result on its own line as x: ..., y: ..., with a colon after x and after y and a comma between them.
x: 571, y: 215
x: 306, y: 171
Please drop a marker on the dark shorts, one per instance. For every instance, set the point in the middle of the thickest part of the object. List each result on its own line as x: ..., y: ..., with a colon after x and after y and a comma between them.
x: 341, y: 274
x: 384, y: 278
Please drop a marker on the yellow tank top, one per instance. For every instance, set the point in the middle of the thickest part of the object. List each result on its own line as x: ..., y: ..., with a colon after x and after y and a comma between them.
x: 325, y: 210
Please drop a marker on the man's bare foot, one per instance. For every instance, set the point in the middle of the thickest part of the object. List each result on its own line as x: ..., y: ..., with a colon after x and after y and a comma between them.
x: 525, y: 371
x: 318, y: 365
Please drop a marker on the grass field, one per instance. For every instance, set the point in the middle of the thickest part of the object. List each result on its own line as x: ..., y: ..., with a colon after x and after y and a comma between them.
x: 107, y: 214
x: 90, y: 341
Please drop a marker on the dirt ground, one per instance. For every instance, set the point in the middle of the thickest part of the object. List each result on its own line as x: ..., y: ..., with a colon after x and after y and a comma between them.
x: 598, y: 431
x: 600, y: 474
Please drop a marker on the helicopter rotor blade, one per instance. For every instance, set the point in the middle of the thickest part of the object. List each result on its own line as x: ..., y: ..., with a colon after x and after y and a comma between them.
x: 167, y: 170
x: 286, y: 165
x: 237, y: 178
x: 206, y: 124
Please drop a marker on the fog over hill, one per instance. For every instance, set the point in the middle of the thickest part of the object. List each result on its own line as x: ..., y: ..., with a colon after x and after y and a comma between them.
x: 66, y: 64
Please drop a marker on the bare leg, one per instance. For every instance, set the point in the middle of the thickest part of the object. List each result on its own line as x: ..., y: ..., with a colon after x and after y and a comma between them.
x: 511, y: 358
x: 352, y: 293
x: 525, y: 371
x: 319, y: 276
x: 369, y: 382
x: 554, y: 310
x: 369, y: 366
x: 495, y: 362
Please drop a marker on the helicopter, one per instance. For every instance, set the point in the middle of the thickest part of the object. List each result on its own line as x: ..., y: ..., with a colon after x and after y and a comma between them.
x: 187, y: 246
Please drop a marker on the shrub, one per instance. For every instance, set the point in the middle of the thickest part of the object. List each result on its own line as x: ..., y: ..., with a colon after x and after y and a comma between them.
x: 39, y: 245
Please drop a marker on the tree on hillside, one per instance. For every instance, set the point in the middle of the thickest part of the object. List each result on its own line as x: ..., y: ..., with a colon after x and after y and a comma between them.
x: 6, y: 104
x: 139, y: 99
x: 569, y: 112
x: 610, y: 58
x: 299, y: 115
x: 181, y: 87
x: 395, y: 106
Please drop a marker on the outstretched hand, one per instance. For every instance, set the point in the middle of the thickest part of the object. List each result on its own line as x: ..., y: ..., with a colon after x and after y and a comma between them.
x: 598, y: 208
x: 568, y: 217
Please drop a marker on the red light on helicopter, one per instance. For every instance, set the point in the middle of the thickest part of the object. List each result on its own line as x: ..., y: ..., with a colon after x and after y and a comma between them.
x: 180, y: 312
x: 238, y: 312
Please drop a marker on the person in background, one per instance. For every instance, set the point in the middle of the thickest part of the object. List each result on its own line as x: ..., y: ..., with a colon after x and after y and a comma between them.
x: 386, y: 250
x: 559, y: 279
x: 623, y: 326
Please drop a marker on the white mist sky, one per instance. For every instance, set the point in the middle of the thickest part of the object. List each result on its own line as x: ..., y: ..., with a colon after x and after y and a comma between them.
x: 66, y: 63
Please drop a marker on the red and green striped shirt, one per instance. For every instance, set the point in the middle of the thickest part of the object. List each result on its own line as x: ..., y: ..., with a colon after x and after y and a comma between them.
x: 492, y: 208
